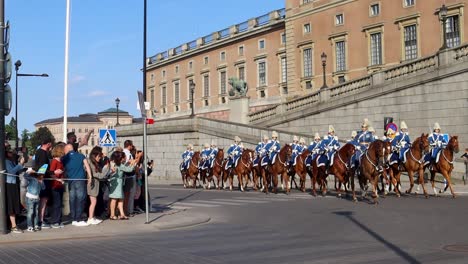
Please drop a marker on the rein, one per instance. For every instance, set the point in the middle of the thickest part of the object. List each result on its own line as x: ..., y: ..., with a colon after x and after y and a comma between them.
x: 339, y: 157
x: 445, y: 157
x: 420, y: 161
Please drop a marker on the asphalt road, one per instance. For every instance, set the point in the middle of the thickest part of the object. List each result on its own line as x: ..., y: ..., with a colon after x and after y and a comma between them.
x: 253, y: 227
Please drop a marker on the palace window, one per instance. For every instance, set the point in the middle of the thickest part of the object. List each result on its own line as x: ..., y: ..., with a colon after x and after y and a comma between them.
x: 241, y: 73
x: 375, y: 9
x: 205, y: 60
x: 307, y: 62
x: 163, y: 73
x: 411, y: 42
x: 452, y: 31
x: 222, y: 82
x: 284, y: 75
x: 306, y: 28
x: 190, y: 65
x: 261, y: 44
x: 163, y: 96
x: 222, y: 56
x: 340, y: 51
x: 206, y: 85
x: 339, y: 19
x: 261, y: 73
x: 283, y: 38
x: 376, y: 48
x: 176, y: 93
x: 241, y: 50
x: 177, y: 69
x: 408, y: 3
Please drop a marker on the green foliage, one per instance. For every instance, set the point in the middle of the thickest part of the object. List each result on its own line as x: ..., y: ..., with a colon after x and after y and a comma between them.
x: 39, y: 135
x: 10, y: 129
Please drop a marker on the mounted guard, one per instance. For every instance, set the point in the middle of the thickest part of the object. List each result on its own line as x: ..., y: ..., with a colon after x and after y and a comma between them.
x: 234, y: 152
x: 260, y: 150
x: 328, y: 147
x: 297, y: 148
x: 273, y: 147
x: 213, y: 152
x: 363, y: 138
x: 437, y: 142
x: 186, y: 157
x: 314, y: 149
x: 401, y: 143
x: 205, y: 157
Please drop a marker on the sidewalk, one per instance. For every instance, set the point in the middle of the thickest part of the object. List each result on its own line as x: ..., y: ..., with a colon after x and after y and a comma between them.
x: 170, y: 219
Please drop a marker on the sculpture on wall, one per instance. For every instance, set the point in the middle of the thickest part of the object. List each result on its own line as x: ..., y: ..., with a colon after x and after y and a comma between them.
x: 239, y: 87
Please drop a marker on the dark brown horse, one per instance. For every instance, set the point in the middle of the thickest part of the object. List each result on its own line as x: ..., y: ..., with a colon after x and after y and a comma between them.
x: 257, y: 172
x: 192, y: 172
x: 445, y: 164
x: 217, y: 170
x: 341, y: 164
x: 414, y: 163
x: 373, y: 158
x: 280, y: 166
x: 242, y: 170
x: 300, y: 169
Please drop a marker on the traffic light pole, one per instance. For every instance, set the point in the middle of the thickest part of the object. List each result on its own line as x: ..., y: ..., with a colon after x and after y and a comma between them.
x: 3, y: 222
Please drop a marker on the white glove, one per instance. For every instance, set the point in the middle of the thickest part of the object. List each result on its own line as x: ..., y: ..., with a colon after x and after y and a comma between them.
x: 236, y: 152
x: 403, y: 143
x: 273, y: 148
x: 439, y: 144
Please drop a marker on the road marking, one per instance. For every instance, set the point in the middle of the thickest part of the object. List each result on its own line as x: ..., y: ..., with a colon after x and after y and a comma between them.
x: 272, y: 198
x: 197, y: 204
x: 240, y: 201
x: 180, y: 207
x: 215, y: 202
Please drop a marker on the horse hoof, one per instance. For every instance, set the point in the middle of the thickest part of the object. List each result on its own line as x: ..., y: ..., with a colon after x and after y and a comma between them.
x: 338, y: 195
x: 355, y: 199
x: 454, y: 196
x: 398, y: 195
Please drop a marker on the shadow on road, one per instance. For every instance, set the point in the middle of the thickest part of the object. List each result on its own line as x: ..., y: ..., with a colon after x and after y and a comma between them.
x: 166, y: 208
x: 394, y: 248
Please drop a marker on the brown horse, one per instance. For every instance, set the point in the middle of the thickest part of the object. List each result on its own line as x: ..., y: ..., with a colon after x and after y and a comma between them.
x: 192, y: 172
x: 242, y: 170
x: 217, y: 170
x: 445, y: 164
x: 373, y: 158
x: 300, y: 168
x: 280, y: 166
x: 257, y: 174
x: 414, y: 163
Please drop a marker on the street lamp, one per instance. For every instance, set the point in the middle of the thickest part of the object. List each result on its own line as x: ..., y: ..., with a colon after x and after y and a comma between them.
x: 17, y: 66
x: 192, y: 91
x: 117, y: 102
x: 443, y: 17
x: 324, y: 63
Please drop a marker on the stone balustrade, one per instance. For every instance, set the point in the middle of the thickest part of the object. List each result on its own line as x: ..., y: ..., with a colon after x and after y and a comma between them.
x: 411, y: 68
x: 352, y: 86
x: 461, y: 52
x: 303, y: 101
x: 262, y: 114
x: 241, y: 28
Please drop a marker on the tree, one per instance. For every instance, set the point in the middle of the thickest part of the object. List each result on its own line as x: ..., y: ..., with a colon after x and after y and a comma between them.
x: 10, y: 129
x: 39, y: 135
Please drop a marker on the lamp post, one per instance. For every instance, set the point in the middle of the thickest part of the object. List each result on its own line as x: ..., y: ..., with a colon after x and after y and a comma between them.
x: 192, y: 91
x: 117, y: 102
x: 324, y: 63
x: 443, y: 17
x: 17, y: 66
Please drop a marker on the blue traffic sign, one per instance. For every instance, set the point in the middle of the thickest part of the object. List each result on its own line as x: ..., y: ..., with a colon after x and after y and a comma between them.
x: 107, y: 137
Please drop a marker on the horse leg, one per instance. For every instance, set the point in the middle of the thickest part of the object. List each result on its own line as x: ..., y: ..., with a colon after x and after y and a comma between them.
x: 285, y: 176
x: 421, y: 181
x: 433, y: 182
x: 375, y: 189
x: 410, y: 175
x: 275, y: 182
x: 449, y: 183
x: 352, y: 171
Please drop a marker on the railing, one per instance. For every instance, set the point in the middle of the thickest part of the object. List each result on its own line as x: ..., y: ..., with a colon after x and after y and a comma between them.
x: 178, y: 50
x: 263, y: 20
x: 262, y: 114
x: 224, y: 33
x: 350, y: 86
x: 208, y: 39
x: 303, y: 101
x: 411, y: 67
x: 191, y: 45
x: 461, y: 52
x: 242, y: 27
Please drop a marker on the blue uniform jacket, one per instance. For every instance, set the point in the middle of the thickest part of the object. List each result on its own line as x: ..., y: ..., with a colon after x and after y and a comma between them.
x: 273, y: 147
x: 437, y: 142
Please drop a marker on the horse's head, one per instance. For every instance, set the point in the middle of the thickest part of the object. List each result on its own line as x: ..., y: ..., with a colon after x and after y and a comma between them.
x: 196, y: 156
x: 379, y: 149
x: 220, y: 154
x: 286, y: 151
x: 247, y: 155
x: 453, y: 144
x: 423, y: 143
x: 348, y: 150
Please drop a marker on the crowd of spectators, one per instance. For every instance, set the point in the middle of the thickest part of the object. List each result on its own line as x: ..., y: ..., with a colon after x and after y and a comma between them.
x: 98, y: 187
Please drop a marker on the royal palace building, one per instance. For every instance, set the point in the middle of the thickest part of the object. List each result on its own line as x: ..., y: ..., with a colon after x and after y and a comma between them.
x: 297, y: 50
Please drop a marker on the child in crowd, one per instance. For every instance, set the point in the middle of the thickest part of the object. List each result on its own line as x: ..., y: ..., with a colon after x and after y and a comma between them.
x: 35, y: 185
x: 56, y: 169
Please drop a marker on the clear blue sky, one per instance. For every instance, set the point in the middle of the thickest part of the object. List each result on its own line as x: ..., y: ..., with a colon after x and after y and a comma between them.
x: 105, y: 48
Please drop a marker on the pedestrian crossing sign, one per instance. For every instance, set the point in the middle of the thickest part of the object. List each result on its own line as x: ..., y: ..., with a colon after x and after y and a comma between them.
x: 107, y: 137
